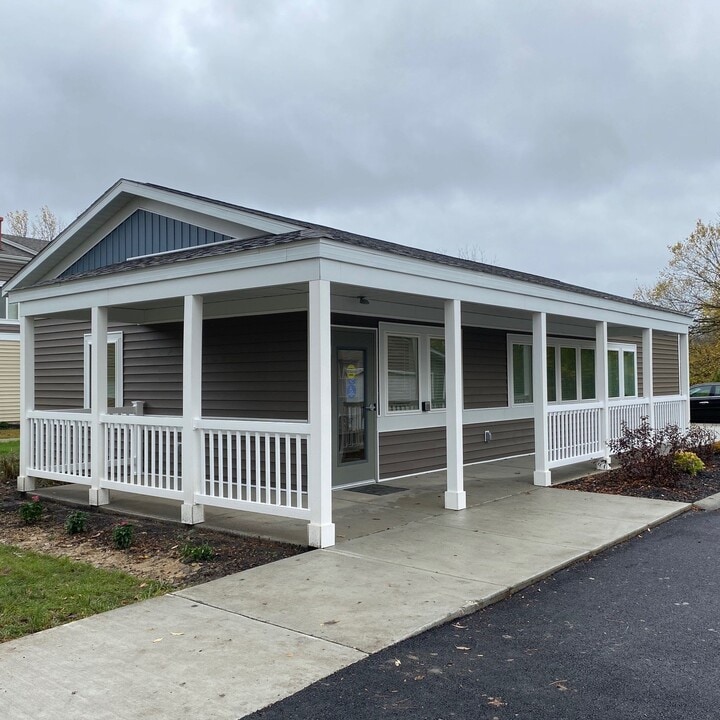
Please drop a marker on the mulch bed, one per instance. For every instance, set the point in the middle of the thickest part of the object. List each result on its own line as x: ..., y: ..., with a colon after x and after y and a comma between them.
x: 156, y: 549
x: 686, y: 489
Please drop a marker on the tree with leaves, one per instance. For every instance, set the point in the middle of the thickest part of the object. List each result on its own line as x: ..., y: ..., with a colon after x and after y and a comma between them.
x: 44, y: 226
x: 690, y: 283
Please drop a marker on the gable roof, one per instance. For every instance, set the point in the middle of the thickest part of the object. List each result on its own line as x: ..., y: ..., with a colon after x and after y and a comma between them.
x: 298, y: 231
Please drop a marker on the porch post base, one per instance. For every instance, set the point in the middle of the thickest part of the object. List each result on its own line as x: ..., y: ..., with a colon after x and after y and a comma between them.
x: 542, y: 477
x: 192, y: 514
x: 98, y: 496
x: 455, y: 500
x: 321, y: 536
x: 25, y: 483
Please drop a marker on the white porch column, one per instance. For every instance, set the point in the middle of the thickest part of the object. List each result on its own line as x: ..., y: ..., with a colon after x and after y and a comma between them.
x: 601, y: 385
x: 98, y: 403
x: 684, y: 380
x: 540, y: 402
x: 191, y: 512
x: 26, y: 483
x: 321, y: 530
x: 455, y: 498
x: 647, y: 368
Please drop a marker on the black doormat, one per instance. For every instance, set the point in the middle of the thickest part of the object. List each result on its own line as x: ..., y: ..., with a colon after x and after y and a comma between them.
x: 376, y: 489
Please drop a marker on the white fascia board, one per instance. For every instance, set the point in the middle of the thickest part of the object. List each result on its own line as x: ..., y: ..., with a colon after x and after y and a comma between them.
x: 208, y: 270
x: 140, y: 191
x: 46, y: 254
x: 384, y: 271
x: 92, y: 240
x: 162, y: 288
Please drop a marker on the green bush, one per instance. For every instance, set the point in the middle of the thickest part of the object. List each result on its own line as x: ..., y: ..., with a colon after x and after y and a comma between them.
x: 688, y: 462
x: 76, y: 522
x: 122, y: 535
x: 31, y: 511
x: 190, y: 552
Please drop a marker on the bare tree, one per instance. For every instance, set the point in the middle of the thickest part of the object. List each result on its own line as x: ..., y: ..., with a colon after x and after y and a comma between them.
x: 44, y: 226
x: 475, y: 254
x: 17, y: 222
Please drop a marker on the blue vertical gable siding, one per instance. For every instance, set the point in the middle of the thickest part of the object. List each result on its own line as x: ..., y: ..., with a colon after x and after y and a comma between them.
x: 143, y: 233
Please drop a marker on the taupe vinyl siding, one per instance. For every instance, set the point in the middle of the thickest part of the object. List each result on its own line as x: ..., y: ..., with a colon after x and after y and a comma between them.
x: 9, y: 381
x: 59, y: 379
x: 485, y: 368
x: 512, y: 437
x: 252, y: 366
x: 406, y: 452
x: 666, y: 364
x: 153, y: 366
x: 256, y: 367
x: 8, y: 268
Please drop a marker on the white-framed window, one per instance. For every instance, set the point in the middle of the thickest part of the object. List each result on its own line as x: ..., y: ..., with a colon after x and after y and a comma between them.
x: 8, y: 310
x: 412, y: 368
x: 114, y: 369
x: 570, y: 370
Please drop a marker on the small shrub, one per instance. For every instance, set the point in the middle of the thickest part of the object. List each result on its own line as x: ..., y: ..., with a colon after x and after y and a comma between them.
x: 76, y: 522
x: 9, y: 466
x: 648, y: 454
x: 122, y: 535
x: 190, y: 552
x: 31, y: 511
x: 688, y: 462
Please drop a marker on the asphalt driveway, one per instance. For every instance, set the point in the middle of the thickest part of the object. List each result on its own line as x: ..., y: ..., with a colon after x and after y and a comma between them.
x: 632, y: 633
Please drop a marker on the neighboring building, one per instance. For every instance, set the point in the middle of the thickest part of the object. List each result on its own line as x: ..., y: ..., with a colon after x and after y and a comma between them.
x: 276, y: 359
x: 15, y: 253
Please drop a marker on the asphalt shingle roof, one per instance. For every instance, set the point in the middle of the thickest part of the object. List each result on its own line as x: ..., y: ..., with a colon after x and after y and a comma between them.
x: 314, y: 231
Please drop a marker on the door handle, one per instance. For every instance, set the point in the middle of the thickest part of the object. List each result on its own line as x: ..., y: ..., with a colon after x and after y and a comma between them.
x: 704, y: 402
x: 372, y: 406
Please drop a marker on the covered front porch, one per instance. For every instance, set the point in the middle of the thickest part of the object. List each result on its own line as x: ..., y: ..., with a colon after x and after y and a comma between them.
x: 357, y: 512
x: 285, y: 467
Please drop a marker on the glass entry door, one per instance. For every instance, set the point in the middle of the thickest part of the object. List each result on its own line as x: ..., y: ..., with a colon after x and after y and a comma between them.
x: 354, y: 407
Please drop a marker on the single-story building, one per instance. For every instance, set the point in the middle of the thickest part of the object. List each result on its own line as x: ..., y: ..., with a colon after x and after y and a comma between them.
x: 191, y: 349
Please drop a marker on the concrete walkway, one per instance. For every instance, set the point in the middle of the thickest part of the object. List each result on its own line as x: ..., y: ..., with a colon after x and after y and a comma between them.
x: 231, y: 646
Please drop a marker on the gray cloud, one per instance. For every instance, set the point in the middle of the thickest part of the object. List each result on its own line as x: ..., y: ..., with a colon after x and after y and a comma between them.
x: 575, y: 140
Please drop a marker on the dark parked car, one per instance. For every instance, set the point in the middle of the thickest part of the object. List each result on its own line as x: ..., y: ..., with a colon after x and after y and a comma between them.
x: 705, y: 403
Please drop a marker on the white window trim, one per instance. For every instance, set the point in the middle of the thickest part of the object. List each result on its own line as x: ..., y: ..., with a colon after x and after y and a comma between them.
x: 623, y: 347
x: 423, y: 334
x: 6, y: 304
x: 557, y: 343
x: 115, y: 339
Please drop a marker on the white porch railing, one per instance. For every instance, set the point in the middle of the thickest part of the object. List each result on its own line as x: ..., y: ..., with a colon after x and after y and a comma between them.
x: 629, y: 411
x: 671, y: 411
x: 143, y: 455
x: 254, y: 465
x: 60, y: 446
x: 573, y: 433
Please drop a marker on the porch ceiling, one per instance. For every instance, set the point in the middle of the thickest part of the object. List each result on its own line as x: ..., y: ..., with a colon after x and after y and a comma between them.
x: 384, y: 304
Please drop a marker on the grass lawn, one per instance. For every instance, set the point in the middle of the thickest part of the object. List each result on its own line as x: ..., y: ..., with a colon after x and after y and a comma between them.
x: 38, y: 591
x: 9, y: 446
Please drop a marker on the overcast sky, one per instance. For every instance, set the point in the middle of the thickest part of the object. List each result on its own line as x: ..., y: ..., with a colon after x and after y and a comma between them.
x: 572, y: 139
